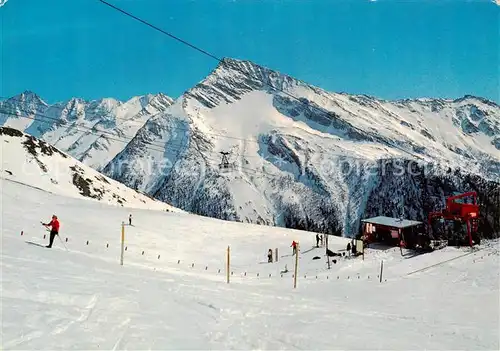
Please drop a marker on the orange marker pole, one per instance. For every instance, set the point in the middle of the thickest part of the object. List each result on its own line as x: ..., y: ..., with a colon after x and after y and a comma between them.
x: 296, y: 266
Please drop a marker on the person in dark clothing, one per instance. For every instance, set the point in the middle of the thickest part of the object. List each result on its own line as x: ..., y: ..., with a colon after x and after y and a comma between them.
x: 54, y: 224
x: 348, y: 248
x: 270, y: 256
x: 130, y: 219
x: 317, y: 240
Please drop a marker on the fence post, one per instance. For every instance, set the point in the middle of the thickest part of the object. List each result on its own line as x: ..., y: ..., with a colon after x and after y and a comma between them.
x: 123, y: 243
x: 228, y: 263
x: 363, y: 244
x: 381, y: 269
x: 326, y: 251
x: 296, y: 266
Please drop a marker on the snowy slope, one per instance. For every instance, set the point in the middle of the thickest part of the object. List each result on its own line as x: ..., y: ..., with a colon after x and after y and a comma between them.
x: 83, y: 298
x: 30, y: 161
x: 309, y: 164
x: 91, y: 131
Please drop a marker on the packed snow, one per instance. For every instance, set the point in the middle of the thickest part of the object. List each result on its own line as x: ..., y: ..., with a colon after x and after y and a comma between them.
x: 169, y: 294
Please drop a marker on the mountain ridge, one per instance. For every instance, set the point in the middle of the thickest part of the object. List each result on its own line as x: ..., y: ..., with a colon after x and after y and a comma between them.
x: 290, y: 144
x: 93, y: 131
x: 32, y: 162
x: 288, y: 135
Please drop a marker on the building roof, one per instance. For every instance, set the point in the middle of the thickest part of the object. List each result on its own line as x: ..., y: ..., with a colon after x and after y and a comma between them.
x: 391, y: 222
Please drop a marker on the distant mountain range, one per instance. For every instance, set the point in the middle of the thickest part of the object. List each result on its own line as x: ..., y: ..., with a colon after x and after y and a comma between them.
x: 93, y: 132
x: 299, y: 156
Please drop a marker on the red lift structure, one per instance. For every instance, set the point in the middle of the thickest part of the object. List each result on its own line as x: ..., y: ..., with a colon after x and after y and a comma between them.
x: 460, y: 211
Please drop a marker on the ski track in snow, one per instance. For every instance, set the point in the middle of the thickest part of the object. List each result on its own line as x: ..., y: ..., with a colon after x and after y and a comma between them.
x: 123, y: 325
x: 85, y: 315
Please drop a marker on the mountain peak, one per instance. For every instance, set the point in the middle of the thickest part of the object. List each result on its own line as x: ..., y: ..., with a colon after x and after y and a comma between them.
x: 27, y: 97
x: 233, y: 78
x: 29, y: 93
x: 477, y: 98
x: 250, y: 69
x: 235, y: 63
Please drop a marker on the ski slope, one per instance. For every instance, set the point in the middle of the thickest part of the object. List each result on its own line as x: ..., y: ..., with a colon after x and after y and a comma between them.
x: 83, y: 299
x: 33, y: 162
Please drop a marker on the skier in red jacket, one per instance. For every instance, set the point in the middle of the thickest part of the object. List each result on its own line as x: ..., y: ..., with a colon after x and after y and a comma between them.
x: 54, y: 224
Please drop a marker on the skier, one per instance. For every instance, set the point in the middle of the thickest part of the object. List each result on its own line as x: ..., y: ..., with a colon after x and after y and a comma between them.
x: 294, y: 247
x: 317, y: 240
x: 270, y: 256
x: 130, y: 219
x: 54, y: 224
x: 348, y: 248
x: 402, y: 245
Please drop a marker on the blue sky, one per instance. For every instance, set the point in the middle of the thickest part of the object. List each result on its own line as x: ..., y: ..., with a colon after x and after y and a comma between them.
x: 387, y: 48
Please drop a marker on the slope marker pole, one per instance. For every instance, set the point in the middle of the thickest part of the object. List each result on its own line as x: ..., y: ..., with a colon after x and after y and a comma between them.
x: 296, y: 266
x: 381, y: 269
x: 123, y: 243
x: 228, y: 263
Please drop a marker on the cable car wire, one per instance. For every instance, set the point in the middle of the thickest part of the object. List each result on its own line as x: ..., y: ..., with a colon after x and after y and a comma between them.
x: 221, y: 61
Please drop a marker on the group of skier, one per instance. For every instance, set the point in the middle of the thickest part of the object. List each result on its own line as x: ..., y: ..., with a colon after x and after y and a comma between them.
x: 319, y: 239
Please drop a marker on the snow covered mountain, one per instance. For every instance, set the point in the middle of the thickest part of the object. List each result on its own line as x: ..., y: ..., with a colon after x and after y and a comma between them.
x: 416, y: 193
x: 302, y: 157
x: 91, y: 131
x: 27, y: 160
x: 172, y: 294
x: 299, y: 156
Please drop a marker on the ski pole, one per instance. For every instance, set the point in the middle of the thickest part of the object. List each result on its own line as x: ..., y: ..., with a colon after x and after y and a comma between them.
x: 62, y: 242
